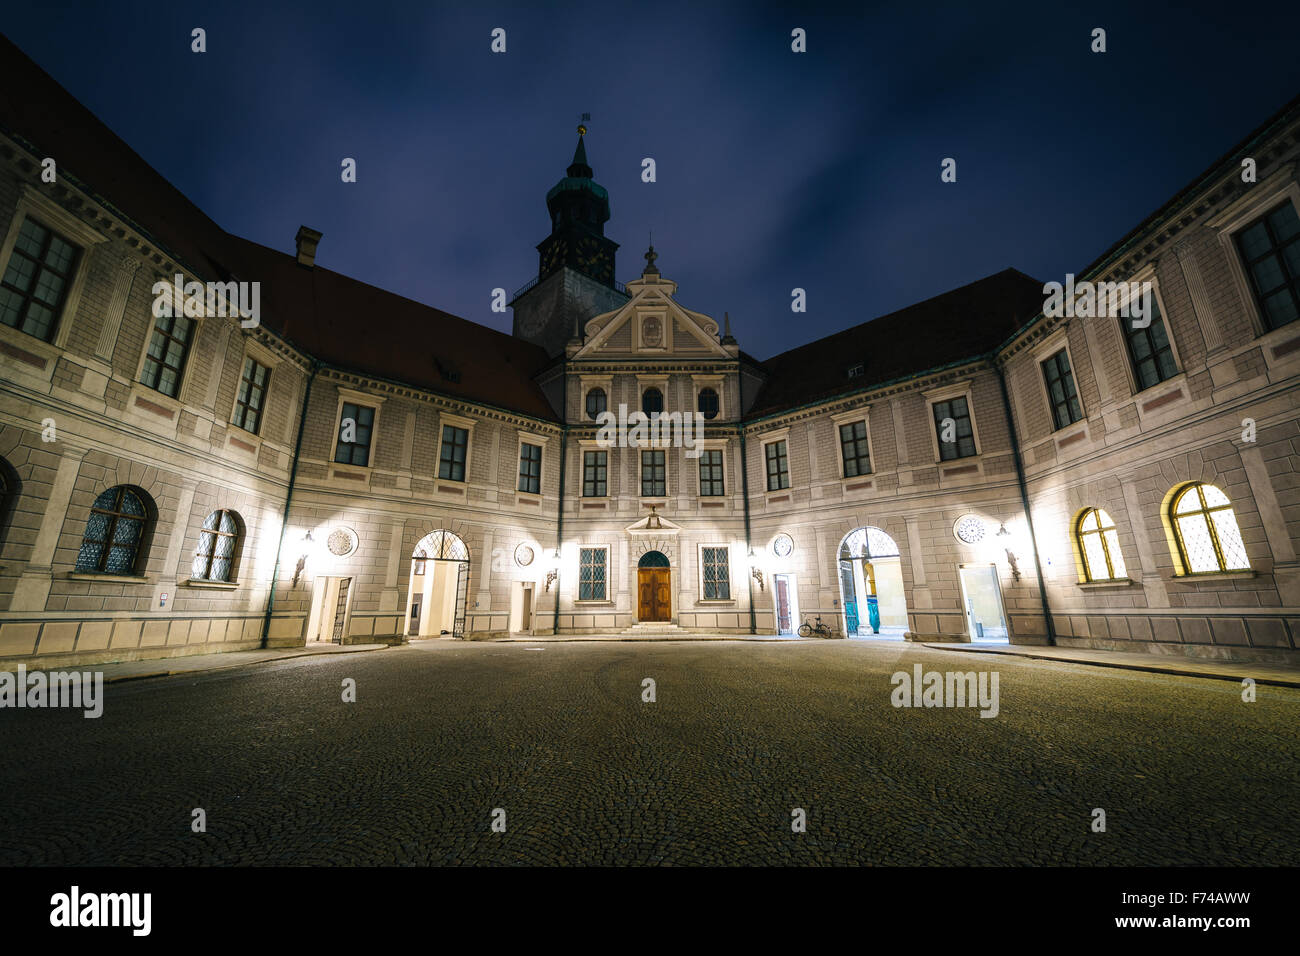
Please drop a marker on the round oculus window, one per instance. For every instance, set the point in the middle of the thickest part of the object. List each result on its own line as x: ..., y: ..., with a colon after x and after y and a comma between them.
x: 341, y: 542
x: 523, y: 555
x: 782, y: 545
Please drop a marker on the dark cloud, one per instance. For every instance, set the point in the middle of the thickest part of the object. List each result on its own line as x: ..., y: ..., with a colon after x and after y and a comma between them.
x: 775, y: 170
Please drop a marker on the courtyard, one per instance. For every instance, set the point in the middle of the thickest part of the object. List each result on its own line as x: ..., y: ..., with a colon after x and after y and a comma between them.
x: 577, y: 759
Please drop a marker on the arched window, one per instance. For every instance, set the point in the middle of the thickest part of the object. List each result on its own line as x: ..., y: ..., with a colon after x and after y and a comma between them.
x: 595, y: 402
x: 652, y: 400
x: 708, y: 403
x: 419, y: 561
x: 9, y: 485
x: 214, y: 559
x: 1206, y: 532
x: 1099, y: 546
x: 115, y: 532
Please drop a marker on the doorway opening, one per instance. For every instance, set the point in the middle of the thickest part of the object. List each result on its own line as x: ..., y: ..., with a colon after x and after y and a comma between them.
x: 986, y: 618
x: 786, y: 596
x: 439, y: 587
x: 521, y: 608
x: 653, y: 587
x: 871, y: 585
x: 330, y: 610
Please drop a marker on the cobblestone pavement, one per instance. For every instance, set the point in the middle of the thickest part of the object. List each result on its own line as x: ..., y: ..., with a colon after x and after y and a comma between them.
x: 740, y: 734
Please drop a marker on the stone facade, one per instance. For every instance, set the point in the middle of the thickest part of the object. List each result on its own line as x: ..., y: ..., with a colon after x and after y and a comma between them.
x: 489, y: 518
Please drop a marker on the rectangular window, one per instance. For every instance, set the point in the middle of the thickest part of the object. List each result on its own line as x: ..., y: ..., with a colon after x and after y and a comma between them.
x: 451, y: 463
x: 355, y: 426
x: 530, y: 468
x: 952, y: 425
x: 654, y: 479
x: 251, y: 396
x: 711, y: 474
x: 35, y: 284
x: 1149, y: 350
x: 594, y: 473
x: 715, y: 563
x: 1270, y: 251
x: 778, y: 467
x: 853, y: 447
x: 1061, y: 390
x: 591, y: 573
x: 165, y: 360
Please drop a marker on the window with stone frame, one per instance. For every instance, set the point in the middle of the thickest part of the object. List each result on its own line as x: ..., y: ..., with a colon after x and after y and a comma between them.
x: 778, y: 465
x: 34, y: 287
x: 952, y: 426
x: 214, y: 558
x: 530, y: 468
x: 164, y: 362
x: 654, y: 474
x: 1061, y: 393
x: 592, y: 574
x: 595, y: 474
x: 1270, y: 251
x: 715, y: 567
x: 357, y: 421
x: 455, y: 447
x: 1149, y: 352
x: 711, y: 483
x: 251, y: 397
x: 854, y: 449
x: 114, y: 537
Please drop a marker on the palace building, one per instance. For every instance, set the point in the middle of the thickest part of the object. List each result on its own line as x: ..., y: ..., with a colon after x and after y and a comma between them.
x: 358, y: 467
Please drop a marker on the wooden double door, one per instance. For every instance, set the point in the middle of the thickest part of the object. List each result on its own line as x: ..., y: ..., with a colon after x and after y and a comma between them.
x: 654, y: 602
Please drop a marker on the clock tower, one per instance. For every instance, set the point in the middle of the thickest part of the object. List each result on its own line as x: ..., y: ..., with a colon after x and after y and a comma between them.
x: 575, y: 269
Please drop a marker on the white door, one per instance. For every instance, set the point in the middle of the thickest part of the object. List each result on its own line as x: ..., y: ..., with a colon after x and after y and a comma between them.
x: 986, y: 619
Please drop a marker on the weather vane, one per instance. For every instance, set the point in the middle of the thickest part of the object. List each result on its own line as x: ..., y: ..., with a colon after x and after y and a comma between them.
x: 582, y: 124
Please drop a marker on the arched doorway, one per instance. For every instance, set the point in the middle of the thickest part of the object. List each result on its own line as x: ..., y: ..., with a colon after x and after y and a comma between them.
x: 871, y: 585
x: 654, y: 591
x: 439, y: 586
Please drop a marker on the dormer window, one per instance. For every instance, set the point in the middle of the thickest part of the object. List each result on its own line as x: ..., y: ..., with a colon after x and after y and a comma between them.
x: 856, y: 371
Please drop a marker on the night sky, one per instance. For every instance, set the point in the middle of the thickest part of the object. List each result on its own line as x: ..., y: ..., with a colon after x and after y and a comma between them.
x: 775, y: 169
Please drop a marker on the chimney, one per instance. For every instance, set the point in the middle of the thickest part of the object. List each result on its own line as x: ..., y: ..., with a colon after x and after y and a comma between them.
x: 306, y: 241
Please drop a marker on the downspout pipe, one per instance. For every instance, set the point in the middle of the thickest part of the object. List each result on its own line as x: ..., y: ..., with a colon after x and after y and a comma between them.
x: 288, y: 502
x: 744, y: 490
x: 559, y: 519
x: 1024, y: 501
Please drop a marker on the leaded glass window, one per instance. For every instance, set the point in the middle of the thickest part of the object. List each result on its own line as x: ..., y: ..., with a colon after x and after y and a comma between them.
x: 591, y: 574
x: 214, y: 558
x: 717, y: 573
x: 1099, y: 544
x: 1206, y: 529
x: 114, y: 532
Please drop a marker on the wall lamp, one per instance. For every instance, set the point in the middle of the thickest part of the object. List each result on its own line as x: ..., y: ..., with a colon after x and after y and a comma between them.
x: 302, y: 558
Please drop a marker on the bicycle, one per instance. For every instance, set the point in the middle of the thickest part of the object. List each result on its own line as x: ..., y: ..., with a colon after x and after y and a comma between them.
x: 815, y: 630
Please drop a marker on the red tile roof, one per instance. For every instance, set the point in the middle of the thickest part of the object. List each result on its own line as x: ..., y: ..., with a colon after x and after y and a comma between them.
x: 340, y: 321
x: 961, y: 324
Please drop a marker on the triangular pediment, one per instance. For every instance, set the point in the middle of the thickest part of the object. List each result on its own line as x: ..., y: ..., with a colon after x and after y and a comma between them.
x: 651, y: 325
x: 653, y: 524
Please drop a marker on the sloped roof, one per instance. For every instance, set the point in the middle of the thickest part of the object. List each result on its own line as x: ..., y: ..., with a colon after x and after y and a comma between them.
x: 340, y: 321
x: 957, y: 325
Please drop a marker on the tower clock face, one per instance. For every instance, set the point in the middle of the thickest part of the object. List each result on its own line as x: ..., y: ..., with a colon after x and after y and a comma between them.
x: 553, y: 256
x: 593, y: 258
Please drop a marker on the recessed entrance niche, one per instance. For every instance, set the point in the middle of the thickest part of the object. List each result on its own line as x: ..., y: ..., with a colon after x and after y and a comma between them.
x: 654, y: 601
